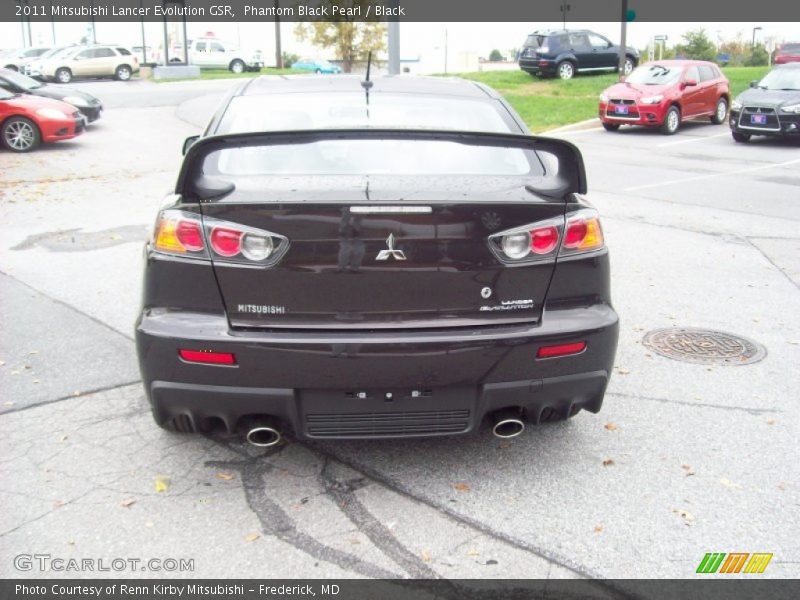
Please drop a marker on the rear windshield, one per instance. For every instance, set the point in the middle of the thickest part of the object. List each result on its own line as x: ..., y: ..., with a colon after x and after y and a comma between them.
x: 373, y: 157
x: 343, y: 110
x: 654, y: 75
x: 534, y: 41
x: 791, y: 48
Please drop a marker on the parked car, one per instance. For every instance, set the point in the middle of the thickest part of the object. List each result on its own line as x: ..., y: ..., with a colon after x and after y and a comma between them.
x: 665, y: 93
x: 27, y: 121
x: 789, y: 52
x: 17, y: 83
x: 212, y: 53
x: 770, y: 107
x: 316, y: 66
x: 16, y: 59
x: 91, y: 61
x: 33, y: 68
x: 566, y: 52
x: 469, y: 281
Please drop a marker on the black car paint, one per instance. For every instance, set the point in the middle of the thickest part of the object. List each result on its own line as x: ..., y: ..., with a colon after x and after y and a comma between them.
x: 347, y: 382
x: 560, y: 50
x: 92, y: 109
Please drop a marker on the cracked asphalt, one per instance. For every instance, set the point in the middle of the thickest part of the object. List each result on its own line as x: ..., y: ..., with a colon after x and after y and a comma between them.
x: 683, y: 459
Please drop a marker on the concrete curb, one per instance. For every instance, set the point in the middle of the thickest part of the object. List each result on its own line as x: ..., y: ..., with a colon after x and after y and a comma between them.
x: 592, y: 123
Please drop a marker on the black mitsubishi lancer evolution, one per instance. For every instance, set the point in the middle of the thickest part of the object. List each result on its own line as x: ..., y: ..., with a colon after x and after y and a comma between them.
x: 395, y: 258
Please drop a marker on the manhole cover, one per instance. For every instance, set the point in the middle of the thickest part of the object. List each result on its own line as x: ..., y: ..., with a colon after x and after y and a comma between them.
x: 704, y: 346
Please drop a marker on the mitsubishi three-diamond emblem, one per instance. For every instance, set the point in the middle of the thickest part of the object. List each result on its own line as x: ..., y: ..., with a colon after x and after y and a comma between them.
x: 391, y: 252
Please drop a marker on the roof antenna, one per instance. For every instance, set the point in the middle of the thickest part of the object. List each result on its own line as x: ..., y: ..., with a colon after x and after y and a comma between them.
x: 366, y: 84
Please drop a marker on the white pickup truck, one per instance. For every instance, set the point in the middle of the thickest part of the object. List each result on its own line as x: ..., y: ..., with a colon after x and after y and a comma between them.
x: 212, y: 53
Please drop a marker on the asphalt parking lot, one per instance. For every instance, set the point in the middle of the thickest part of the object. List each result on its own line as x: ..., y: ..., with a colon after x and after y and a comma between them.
x: 684, y: 458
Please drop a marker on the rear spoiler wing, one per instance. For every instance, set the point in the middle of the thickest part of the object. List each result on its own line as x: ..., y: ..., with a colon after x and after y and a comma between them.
x: 567, y: 176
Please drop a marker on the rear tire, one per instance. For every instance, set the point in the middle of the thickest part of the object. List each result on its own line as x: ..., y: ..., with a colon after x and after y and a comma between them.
x: 20, y: 135
x: 566, y: 70
x: 237, y: 66
x: 721, y: 112
x: 672, y: 121
x: 63, y: 75
x: 628, y: 66
x: 611, y: 126
x: 123, y: 73
x: 742, y: 138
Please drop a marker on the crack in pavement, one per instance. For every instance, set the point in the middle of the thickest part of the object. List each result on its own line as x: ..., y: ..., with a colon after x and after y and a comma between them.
x: 107, y: 388
x: 752, y: 411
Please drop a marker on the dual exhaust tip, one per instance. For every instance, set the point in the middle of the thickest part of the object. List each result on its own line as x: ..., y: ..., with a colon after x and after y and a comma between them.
x: 263, y: 432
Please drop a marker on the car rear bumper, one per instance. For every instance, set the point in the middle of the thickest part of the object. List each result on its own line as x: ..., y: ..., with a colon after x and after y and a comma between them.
x: 535, y: 66
x: 783, y: 125
x: 353, y: 385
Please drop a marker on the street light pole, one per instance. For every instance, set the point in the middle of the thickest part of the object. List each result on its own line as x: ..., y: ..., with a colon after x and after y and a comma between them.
x: 754, y: 35
x: 623, y: 43
x: 393, y: 33
x: 278, y: 49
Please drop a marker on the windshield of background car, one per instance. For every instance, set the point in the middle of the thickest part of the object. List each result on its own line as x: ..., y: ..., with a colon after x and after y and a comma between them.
x: 654, y: 75
x: 344, y: 110
x: 373, y: 157
x: 781, y: 79
x: 21, y: 81
x: 790, y: 49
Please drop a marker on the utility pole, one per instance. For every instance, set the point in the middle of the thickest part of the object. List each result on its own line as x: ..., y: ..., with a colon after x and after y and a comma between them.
x: 445, y: 50
x: 623, y: 42
x: 278, y: 49
x: 564, y: 8
x: 144, y: 41
x: 52, y: 23
x: 393, y: 32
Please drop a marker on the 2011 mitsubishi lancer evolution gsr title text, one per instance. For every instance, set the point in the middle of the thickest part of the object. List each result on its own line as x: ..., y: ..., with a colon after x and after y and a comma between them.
x: 355, y: 259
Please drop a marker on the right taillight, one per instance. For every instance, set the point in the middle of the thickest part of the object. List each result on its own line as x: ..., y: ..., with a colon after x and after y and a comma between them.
x: 582, y: 232
x: 578, y: 232
x: 187, y: 234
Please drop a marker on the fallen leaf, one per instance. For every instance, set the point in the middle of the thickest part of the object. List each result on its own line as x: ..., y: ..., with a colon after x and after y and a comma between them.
x: 729, y: 484
x: 162, y: 483
x: 504, y: 445
x: 608, y: 462
x: 770, y: 421
x: 611, y: 426
x: 63, y: 438
x: 33, y: 352
x: 2, y: 363
x: 462, y: 487
x: 622, y: 371
x: 252, y: 537
x: 128, y: 503
x: 426, y: 556
x: 598, y: 529
x: 782, y: 486
x: 149, y: 524
x: 76, y: 393
x: 472, y: 552
x: 71, y: 542
x: 9, y: 403
x: 58, y: 504
x: 355, y: 541
x: 688, y: 469
x: 225, y: 476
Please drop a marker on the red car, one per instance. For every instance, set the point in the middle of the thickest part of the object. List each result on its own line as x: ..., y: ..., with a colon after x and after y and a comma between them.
x: 789, y: 52
x: 665, y: 93
x: 27, y: 121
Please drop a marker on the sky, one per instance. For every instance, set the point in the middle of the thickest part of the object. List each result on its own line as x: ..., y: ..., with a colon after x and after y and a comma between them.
x: 417, y: 40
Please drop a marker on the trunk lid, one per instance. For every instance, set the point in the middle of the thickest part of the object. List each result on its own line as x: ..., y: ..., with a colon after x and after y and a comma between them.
x: 385, y: 251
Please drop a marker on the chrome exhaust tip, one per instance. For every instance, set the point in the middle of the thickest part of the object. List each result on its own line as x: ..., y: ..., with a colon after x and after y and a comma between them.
x: 507, y: 424
x: 263, y: 434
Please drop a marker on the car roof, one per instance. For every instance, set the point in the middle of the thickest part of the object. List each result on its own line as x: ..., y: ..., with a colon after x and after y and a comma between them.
x: 559, y: 31
x: 403, y: 84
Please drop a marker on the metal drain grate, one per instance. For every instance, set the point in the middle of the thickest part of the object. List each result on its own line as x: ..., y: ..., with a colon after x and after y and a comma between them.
x: 704, y: 346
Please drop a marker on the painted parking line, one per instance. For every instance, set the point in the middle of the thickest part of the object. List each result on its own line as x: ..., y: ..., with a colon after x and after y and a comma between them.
x: 711, y: 175
x: 693, y: 139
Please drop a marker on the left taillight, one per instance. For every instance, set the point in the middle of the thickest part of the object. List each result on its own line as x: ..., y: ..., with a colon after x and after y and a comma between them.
x: 186, y: 234
x: 578, y: 232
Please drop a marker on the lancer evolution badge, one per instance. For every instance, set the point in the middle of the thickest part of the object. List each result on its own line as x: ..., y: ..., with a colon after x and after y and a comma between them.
x: 395, y: 254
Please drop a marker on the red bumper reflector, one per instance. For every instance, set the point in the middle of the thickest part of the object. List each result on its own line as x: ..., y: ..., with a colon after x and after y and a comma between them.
x: 207, y: 357
x: 560, y: 350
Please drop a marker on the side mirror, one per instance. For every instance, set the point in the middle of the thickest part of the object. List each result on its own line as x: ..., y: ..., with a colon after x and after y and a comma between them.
x: 690, y: 83
x: 754, y: 83
x: 189, y: 142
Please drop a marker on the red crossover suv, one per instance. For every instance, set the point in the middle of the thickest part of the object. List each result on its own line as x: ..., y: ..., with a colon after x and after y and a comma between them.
x: 664, y: 93
x: 789, y: 52
x: 27, y: 121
